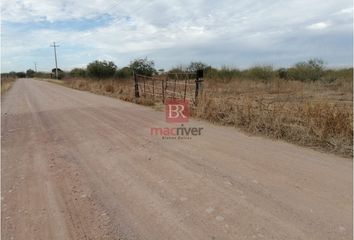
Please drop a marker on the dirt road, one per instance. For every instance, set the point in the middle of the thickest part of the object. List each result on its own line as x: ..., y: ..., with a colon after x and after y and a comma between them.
x: 81, y: 166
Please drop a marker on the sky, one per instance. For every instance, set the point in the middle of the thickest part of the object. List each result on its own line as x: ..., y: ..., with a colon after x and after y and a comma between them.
x: 233, y: 33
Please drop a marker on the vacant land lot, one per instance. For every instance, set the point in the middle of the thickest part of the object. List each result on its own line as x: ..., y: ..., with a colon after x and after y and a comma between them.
x: 315, y: 114
x: 76, y: 165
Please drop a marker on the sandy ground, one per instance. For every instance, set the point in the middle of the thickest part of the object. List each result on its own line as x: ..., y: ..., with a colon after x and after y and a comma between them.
x: 81, y: 166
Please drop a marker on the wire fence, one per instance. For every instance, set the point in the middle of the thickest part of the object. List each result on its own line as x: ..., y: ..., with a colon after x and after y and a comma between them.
x: 184, y: 86
x: 270, y: 98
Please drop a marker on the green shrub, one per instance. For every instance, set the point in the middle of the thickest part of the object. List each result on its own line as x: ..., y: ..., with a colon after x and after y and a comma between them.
x: 194, y: 66
x: 211, y: 73
x: 260, y: 72
x: 143, y: 66
x: 11, y: 74
x: 229, y: 73
x: 21, y: 74
x: 30, y: 73
x: 101, y: 69
x: 78, y: 72
x: 312, y: 70
x: 124, y: 73
x: 283, y: 73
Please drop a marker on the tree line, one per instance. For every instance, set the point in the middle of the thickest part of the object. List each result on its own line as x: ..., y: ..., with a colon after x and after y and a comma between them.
x: 311, y: 70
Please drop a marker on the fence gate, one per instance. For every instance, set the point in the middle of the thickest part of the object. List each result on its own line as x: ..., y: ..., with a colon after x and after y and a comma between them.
x: 184, y: 86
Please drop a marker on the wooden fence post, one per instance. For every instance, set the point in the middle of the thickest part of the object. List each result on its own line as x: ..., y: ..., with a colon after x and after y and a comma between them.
x: 163, y: 90
x: 136, y: 85
x: 185, y: 89
x: 198, y: 83
x: 144, y: 94
x: 174, y: 88
x: 153, y: 89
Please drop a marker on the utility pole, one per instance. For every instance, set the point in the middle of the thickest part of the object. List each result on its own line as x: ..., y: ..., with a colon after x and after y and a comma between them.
x: 56, y: 61
x: 35, y: 66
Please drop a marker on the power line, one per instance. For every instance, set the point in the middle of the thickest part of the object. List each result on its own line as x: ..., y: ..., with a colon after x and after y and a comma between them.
x: 56, y: 61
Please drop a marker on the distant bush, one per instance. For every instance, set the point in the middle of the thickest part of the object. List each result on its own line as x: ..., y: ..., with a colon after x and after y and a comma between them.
x: 177, y: 69
x: 21, y: 74
x: 42, y: 75
x: 312, y: 70
x: 229, y: 73
x: 194, y: 66
x: 9, y: 75
x: 265, y: 72
x: 345, y: 73
x: 30, y: 73
x: 331, y: 75
x: 283, y: 73
x: 124, y: 73
x: 211, y: 73
x: 101, y: 69
x: 78, y: 72
x: 143, y: 66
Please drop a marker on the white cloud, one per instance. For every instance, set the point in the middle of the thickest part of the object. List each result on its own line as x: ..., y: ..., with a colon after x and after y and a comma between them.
x: 39, y: 10
x: 346, y: 11
x: 318, y: 26
x: 179, y: 30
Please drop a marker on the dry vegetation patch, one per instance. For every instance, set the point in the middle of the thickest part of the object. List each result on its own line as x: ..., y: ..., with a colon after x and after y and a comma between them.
x: 311, y: 114
x: 315, y: 114
x: 122, y: 89
x: 6, y: 83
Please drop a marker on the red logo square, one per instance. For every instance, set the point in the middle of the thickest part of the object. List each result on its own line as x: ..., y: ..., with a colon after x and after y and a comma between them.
x: 177, y: 111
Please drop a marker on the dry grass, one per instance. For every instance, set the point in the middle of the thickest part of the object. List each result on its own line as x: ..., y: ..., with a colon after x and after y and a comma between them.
x: 122, y: 89
x: 6, y: 83
x: 313, y: 114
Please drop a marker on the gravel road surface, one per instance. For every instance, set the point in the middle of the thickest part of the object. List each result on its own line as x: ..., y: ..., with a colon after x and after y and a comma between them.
x: 81, y: 166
